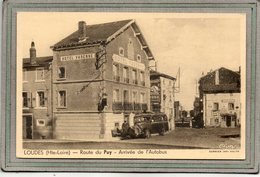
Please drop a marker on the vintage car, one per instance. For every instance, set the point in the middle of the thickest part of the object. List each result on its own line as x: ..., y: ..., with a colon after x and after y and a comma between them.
x: 146, y: 124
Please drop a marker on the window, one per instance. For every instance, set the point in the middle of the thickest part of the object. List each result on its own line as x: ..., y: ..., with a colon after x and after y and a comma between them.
x: 116, y: 72
x: 61, y: 72
x: 142, y: 78
x: 62, y: 99
x: 40, y: 99
x: 126, y: 96
x: 25, y: 100
x: 130, y: 49
x: 142, y: 98
x: 39, y: 74
x: 138, y: 58
x: 24, y: 75
x: 116, y: 95
x: 40, y: 122
x: 215, y: 107
x: 125, y: 75
x: 170, y: 96
x: 134, y: 76
x: 216, y: 121
x: 231, y: 106
x: 134, y: 98
x: 164, y: 95
x: 121, y: 51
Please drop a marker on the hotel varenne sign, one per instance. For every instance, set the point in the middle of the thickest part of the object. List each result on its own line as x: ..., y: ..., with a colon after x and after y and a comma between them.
x: 128, y: 62
x: 77, y: 57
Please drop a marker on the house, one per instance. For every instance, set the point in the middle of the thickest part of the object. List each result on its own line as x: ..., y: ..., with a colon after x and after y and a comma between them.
x: 162, y: 95
x: 100, y: 76
x: 37, y: 112
x: 220, y: 92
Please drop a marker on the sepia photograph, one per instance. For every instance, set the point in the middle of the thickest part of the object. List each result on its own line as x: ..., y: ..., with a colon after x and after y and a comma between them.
x: 131, y: 85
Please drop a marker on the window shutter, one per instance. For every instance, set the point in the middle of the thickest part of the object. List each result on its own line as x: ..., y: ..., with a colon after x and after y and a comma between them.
x: 57, y: 99
x: 34, y: 99
x: 45, y: 99
x: 29, y: 98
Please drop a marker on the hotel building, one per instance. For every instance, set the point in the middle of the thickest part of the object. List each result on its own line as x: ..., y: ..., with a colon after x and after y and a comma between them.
x: 100, y: 75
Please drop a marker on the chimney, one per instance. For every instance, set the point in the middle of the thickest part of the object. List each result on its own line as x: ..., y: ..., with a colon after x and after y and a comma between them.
x: 217, y: 77
x: 32, y: 53
x: 82, y: 29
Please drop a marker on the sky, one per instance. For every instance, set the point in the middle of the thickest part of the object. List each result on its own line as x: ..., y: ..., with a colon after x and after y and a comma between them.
x: 195, y: 43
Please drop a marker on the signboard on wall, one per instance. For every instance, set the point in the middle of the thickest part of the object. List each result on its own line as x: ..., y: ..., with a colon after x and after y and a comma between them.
x: 77, y: 57
x: 128, y: 62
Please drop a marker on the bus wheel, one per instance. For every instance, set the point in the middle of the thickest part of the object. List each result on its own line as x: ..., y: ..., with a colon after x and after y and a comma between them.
x: 162, y: 132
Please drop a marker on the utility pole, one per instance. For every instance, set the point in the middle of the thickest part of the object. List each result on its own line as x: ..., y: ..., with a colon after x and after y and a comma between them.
x: 197, y: 93
x: 177, y: 89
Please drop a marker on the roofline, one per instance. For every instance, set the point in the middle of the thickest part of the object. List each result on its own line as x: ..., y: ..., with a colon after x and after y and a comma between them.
x: 219, y: 69
x: 214, y: 92
x: 162, y: 75
x: 113, y: 36
x: 109, y: 39
x: 147, y: 46
x: 121, y: 30
x: 50, y: 56
x: 75, y: 47
x: 38, y: 65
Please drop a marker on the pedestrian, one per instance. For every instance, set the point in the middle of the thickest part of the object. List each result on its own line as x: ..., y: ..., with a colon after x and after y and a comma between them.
x: 125, y: 127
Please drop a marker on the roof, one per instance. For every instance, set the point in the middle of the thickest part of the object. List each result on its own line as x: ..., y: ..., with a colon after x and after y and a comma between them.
x: 158, y: 74
x: 102, y: 33
x: 229, y: 81
x: 149, y: 113
x: 39, y: 61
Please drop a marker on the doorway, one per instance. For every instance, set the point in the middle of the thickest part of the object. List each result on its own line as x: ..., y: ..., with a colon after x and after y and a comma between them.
x: 228, y: 121
x: 27, y: 127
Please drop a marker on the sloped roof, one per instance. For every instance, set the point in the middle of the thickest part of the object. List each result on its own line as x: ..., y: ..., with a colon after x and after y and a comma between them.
x: 229, y: 81
x: 39, y: 61
x: 102, y: 33
x: 156, y: 73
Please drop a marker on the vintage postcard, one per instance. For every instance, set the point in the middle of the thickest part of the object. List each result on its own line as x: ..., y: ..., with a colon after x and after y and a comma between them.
x: 118, y: 85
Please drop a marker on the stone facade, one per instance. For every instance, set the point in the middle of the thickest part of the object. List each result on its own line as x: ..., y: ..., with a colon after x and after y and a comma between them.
x: 220, y: 92
x: 222, y: 109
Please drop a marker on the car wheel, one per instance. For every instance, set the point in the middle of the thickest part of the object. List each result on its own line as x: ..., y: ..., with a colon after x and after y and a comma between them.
x: 147, y: 133
x: 162, y: 132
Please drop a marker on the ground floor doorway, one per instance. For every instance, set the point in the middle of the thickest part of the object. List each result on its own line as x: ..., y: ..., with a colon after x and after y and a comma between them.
x: 27, y: 127
x: 228, y: 121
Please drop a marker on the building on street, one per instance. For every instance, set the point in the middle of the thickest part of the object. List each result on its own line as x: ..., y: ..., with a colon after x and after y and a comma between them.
x: 162, y: 95
x: 220, y: 92
x: 37, y: 96
x: 100, y: 76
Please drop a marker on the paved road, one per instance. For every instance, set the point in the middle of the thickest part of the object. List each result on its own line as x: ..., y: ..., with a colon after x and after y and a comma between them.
x: 180, y: 138
x: 201, y: 138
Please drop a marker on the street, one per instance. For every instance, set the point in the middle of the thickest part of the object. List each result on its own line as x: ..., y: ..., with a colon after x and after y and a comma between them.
x: 180, y: 138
